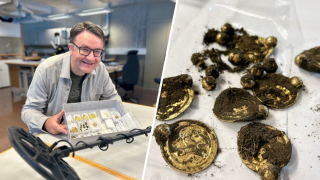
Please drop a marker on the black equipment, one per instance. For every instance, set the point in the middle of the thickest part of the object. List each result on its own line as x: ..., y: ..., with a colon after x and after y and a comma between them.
x: 48, y: 161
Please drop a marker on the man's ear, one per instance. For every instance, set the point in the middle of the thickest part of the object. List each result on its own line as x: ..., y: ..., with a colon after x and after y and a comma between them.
x: 70, y: 47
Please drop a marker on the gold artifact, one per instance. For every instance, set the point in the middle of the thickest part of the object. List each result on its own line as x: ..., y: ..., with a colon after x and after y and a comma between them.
x: 256, y: 55
x: 85, y: 117
x: 77, y: 118
x: 197, y: 59
x: 264, y: 149
x: 238, y: 105
x: 176, y: 96
x: 257, y: 70
x: 248, y: 81
x: 209, y: 83
x: 309, y: 60
x: 188, y: 146
x: 74, y: 130
x: 95, y: 124
x: 92, y: 115
x: 276, y: 90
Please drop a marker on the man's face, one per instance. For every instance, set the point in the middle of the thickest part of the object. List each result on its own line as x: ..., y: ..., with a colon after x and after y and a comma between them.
x: 81, y: 64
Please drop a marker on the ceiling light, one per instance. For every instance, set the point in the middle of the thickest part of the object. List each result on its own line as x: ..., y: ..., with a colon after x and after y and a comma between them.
x: 4, y: 2
x: 59, y: 16
x: 23, y: 21
x: 90, y: 12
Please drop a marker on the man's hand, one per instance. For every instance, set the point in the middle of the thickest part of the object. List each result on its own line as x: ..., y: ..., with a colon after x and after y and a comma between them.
x: 52, y: 124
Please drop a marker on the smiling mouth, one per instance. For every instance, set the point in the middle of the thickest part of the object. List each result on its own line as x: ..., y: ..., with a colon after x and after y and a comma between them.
x: 87, y: 63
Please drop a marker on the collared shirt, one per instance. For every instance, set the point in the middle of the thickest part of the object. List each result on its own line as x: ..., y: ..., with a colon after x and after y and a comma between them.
x: 50, y: 88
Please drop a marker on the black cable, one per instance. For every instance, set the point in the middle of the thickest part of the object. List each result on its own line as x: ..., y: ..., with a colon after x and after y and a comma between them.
x: 142, y: 130
x: 105, y: 142
x: 84, y: 144
x: 129, y: 139
x: 56, y: 143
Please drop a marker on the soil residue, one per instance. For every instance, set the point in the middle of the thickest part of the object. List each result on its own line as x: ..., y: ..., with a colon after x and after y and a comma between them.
x: 248, y: 48
x: 210, y: 36
x: 248, y: 45
x: 215, y: 57
x: 255, y: 136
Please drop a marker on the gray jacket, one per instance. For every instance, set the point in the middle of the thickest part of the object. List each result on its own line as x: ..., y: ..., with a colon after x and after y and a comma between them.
x: 50, y: 87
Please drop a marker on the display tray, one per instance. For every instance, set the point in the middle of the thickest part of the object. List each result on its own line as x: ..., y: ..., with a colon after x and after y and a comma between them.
x: 87, y: 121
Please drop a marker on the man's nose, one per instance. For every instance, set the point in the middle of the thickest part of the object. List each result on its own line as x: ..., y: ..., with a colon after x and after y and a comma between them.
x: 91, y: 56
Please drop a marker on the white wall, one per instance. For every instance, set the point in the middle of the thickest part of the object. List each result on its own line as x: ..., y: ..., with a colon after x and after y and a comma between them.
x: 9, y: 29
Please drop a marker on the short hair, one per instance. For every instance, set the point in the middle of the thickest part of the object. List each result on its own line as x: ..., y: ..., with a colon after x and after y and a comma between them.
x: 85, y: 26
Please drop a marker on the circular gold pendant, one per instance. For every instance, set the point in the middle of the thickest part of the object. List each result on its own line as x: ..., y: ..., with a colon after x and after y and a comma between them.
x: 238, y: 105
x: 188, y: 146
x: 275, y: 91
x: 176, y: 96
x: 264, y: 149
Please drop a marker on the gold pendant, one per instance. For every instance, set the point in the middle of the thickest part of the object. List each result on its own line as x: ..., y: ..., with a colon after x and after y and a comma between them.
x: 188, y: 146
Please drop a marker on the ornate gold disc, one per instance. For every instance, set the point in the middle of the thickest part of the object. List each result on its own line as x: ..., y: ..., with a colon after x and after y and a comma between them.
x: 188, y: 146
x: 275, y: 91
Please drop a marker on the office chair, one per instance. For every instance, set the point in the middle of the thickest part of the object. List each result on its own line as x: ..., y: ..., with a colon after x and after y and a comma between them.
x: 130, y: 75
x: 157, y: 80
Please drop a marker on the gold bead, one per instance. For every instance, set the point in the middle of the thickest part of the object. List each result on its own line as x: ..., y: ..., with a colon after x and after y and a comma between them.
x: 256, y: 70
x: 300, y: 60
x: 222, y: 38
x: 271, y: 41
x: 235, y: 57
x: 209, y: 83
x: 297, y: 82
x: 247, y: 81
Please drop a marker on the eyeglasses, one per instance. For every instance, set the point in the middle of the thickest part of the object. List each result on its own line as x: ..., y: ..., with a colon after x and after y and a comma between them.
x: 86, y: 51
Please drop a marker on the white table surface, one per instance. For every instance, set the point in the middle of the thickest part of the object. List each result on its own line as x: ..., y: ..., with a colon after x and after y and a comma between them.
x: 127, y: 159
x: 14, y: 167
x: 296, y: 27
x: 21, y: 62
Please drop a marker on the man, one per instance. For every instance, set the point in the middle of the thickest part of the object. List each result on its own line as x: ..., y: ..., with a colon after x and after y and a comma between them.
x: 75, y: 76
